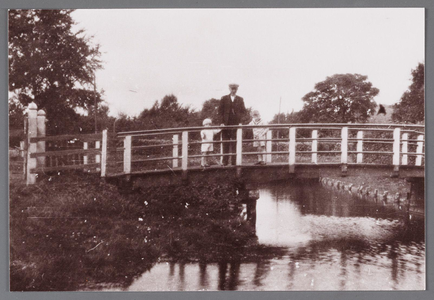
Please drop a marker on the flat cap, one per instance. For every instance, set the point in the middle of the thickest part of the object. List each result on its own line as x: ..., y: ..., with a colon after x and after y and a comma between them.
x: 233, y: 85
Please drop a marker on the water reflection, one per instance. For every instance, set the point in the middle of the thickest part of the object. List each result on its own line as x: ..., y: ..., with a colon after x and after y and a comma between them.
x: 332, y: 241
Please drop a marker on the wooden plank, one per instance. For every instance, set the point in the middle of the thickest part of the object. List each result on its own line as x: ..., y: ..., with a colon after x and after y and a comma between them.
x: 80, y: 137
x: 404, y: 149
x: 65, y: 152
x: 344, y: 145
x: 62, y: 168
x: 292, y: 144
x: 175, y: 151
x: 98, y: 156
x: 419, y: 150
x: 360, y: 147
x: 269, y: 147
x: 314, y: 146
x: 104, y: 153
x: 184, y: 151
x: 239, y: 154
x: 127, y: 154
x: 396, y: 146
x: 85, y: 147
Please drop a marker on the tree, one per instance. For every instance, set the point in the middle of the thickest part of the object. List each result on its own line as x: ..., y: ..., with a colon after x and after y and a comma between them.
x: 341, y: 98
x: 168, y: 113
x: 411, y: 107
x: 52, y: 66
x: 210, y: 109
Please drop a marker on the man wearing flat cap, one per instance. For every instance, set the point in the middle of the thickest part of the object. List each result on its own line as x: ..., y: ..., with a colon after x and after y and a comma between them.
x: 231, y: 110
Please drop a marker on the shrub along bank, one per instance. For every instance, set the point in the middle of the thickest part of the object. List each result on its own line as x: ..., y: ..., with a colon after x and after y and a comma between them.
x: 74, y: 232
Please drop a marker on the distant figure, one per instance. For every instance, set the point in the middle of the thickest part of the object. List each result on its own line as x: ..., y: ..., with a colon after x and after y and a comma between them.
x: 259, y: 134
x: 231, y: 110
x: 207, y: 136
x: 382, y: 110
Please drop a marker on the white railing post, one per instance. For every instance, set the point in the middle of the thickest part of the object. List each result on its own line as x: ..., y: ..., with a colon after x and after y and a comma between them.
x: 359, y: 147
x: 396, y: 148
x: 31, y: 148
x: 221, y: 149
x: 85, y: 147
x: 40, y: 145
x: 419, y: 150
x: 175, y: 151
x: 344, y: 145
x: 104, y: 153
x: 127, y: 154
x: 239, y: 157
x: 344, y: 150
x: 404, y: 149
x: 292, y: 148
x: 184, y: 152
x: 269, y: 147
x: 314, y: 146
x: 97, y: 156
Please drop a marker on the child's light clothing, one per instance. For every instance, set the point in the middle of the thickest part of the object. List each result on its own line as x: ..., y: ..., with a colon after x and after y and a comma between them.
x: 258, y: 133
x: 207, y: 139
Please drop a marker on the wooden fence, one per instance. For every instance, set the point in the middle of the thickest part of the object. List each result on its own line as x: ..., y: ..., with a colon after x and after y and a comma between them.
x: 179, y: 148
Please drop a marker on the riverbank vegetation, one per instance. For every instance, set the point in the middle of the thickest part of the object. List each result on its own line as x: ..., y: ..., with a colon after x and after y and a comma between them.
x: 76, y: 231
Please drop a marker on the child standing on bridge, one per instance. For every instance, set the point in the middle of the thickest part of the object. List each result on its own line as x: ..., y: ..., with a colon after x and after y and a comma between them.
x: 259, y: 135
x: 207, y: 136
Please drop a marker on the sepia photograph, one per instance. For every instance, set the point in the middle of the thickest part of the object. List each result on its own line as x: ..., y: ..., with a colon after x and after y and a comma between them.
x: 225, y: 149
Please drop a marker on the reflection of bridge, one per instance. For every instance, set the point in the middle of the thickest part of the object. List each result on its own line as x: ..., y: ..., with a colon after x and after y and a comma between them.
x: 170, y: 156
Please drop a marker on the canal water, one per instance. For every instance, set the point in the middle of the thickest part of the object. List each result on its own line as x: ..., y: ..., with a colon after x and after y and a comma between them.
x: 327, y: 240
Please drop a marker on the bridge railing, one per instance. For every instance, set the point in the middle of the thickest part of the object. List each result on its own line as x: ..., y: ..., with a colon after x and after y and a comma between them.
x: 339, y: 144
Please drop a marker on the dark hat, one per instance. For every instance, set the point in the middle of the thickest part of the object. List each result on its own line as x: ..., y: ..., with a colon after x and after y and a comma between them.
x: 233, y: 85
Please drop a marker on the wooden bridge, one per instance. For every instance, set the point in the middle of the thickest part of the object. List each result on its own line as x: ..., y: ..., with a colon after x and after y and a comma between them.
x: 171, y: 156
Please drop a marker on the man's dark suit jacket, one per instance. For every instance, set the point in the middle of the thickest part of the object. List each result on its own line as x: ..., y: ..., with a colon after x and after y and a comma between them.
x: 231, y: 112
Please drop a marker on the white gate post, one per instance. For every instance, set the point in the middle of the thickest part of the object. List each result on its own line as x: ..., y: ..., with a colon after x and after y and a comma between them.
x: 104, y: 153
x: 292, y: 147
x: 359, y: 147
x: 314, y: 146
x: 419, y: 150
x: 175, y: 151
x: 31, y: 148
x: 127, y: 154
x: 404, y: 149
x: 40, y: 145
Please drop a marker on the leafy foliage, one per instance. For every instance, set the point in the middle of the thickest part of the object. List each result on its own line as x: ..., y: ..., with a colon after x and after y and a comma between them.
x: 411, y: 107
x: 74, y: 232
x: 341, y: 98
x: 51, y: 65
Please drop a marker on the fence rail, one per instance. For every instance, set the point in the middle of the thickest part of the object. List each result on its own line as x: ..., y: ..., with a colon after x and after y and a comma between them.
x: 180, y: 148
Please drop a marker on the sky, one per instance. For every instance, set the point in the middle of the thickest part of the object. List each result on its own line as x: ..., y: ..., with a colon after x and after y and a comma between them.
x: 275, y: 55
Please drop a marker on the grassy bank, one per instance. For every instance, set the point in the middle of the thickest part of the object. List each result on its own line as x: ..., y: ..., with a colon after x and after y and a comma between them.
x: 73, y: 232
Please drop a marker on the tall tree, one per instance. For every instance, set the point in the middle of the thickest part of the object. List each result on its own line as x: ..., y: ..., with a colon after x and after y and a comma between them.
x: 52, y: 66
x: 341, y: 98
x: 411, y: 107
